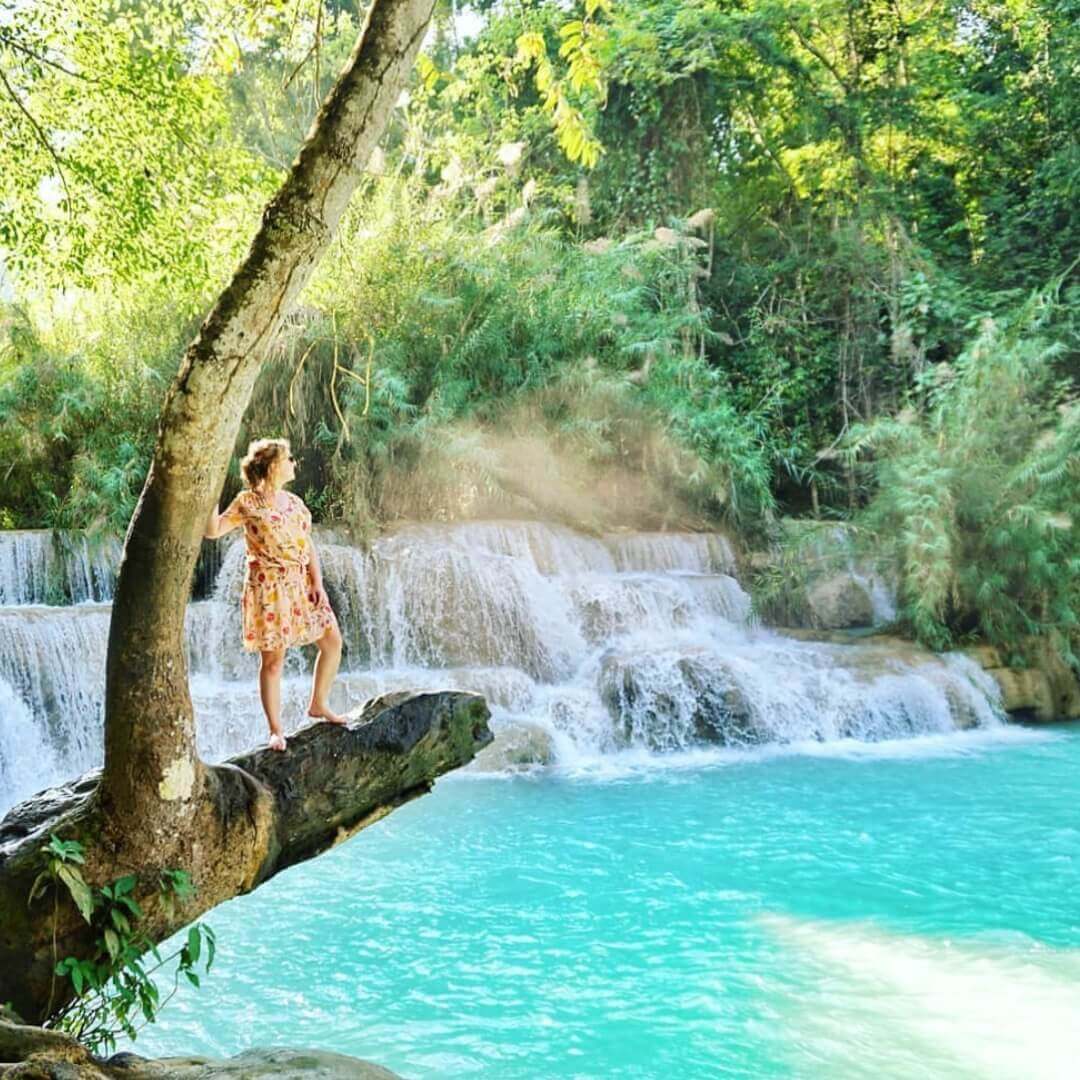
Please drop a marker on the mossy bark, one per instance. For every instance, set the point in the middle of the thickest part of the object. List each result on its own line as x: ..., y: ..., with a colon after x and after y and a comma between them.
x: 259, y: 814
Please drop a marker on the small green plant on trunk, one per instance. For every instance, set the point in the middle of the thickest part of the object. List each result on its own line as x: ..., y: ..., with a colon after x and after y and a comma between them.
x: 115, y: 990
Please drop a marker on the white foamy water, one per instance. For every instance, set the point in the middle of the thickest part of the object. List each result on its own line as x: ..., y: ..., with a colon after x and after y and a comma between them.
x: 25, y: 760
x: 38, y: 566
x: 629, y: 644
x: 880, y: 1003
x: 52, y: 663
x: 638, y: 762
x: 702, y: 553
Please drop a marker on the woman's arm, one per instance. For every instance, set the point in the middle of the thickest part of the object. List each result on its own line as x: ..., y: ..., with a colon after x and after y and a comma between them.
x: 314, y: 571
x: 219, y: 524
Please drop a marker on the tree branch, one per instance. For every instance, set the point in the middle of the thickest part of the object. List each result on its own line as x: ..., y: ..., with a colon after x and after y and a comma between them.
x: 42, y: 138
x: 263, y: 812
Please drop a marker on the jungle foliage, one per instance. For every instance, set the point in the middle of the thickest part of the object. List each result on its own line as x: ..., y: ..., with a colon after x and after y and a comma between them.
x: 770, y: 257
x: 976, y: 492
x: 115, y: 992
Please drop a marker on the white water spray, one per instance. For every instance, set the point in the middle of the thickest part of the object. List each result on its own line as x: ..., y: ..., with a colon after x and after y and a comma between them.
x: 624, y: 643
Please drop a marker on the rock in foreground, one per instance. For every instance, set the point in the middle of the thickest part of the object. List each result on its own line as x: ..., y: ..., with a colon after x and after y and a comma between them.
x: 519, y: 746
x: 31, y: 1052
x: 251, y: 1065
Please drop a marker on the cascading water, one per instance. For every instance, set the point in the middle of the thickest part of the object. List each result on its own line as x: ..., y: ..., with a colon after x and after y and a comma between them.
x: 835, y: 548
x: 637, y: 642
x: 53, y: 660
x: 38, y: 566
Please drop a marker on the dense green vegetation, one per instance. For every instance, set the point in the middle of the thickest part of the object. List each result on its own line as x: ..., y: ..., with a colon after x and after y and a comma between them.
x: 711, y: 260
x: 976, y: 491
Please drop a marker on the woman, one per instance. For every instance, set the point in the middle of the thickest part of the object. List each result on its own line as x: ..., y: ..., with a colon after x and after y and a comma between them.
x: 284, y: 603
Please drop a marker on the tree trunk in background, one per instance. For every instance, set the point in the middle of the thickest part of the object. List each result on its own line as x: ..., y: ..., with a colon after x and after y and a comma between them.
x: 152, y: 773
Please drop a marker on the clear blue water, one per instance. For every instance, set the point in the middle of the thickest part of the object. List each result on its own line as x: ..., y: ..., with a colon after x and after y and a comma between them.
x: 909, y: 909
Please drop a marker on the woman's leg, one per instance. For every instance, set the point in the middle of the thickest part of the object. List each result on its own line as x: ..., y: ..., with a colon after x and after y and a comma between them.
x: 270, y: 664
x: 326, y: 666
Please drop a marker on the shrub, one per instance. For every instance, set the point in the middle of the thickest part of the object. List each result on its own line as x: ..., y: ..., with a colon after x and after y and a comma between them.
x: 976, y: 485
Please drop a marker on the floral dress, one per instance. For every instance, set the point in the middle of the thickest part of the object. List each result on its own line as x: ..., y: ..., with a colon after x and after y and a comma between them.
x: 279, y: 605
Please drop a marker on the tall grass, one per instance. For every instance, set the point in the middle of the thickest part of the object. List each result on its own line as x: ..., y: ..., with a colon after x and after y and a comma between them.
x: 977, y: 486
x: 478, y: 337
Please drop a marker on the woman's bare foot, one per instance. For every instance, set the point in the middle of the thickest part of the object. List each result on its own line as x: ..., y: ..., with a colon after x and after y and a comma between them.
x: 323, y: 712
x: 277, y: 741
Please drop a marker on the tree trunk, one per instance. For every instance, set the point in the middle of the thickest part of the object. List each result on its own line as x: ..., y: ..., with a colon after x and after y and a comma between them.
x: 152, y: 773
x: 157, y: 805
x: 265, y: 811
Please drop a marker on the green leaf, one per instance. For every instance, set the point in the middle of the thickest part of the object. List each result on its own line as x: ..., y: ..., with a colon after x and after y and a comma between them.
x: 41, y: 883
x: 194, y: 944
x: 80, y: 891
x: 66, y: 850
x: 112, y: 942
x: 124, y: 885
x: 132, y: 905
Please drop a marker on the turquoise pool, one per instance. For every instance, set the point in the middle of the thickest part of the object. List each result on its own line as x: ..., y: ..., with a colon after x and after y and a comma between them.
x: 900, y: 909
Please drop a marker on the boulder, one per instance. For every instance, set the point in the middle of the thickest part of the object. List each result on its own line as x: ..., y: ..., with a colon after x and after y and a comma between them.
x: 34, y: 1053
x: 840, y: 602
x: 816, y: 576
x: 518, y: 746
x: 673, y: 701
x: 251, y: 1065
x: 1025, y: 691
x: 1045, y: 691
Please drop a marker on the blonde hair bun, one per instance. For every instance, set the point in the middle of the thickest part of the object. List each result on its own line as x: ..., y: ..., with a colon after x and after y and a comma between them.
x: 260, y: 458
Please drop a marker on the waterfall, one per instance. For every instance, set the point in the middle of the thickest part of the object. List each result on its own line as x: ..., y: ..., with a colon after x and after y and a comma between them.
x: 701, y: 553
x: 39, y: 566
x: 53, y: 658
x: 26, y: 763
x: 27, y: 566
x: 635, y: 641
x: 834, y: 550
x: 765, y: 689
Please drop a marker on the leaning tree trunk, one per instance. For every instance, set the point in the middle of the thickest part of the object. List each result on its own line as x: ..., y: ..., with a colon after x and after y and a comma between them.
x: 157, y: 805
x: 152, y: 773
x: 263, y: 812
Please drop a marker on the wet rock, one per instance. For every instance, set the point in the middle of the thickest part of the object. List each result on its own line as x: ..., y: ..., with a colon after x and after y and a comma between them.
x: 840, y: 602
x: 672, y: 702
x: 34, y: 1053
x: 1025, y: 691
x: 817, y: 577
x: 518, y: 746
x: 1044, y: 691
x: 252, y: 1065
